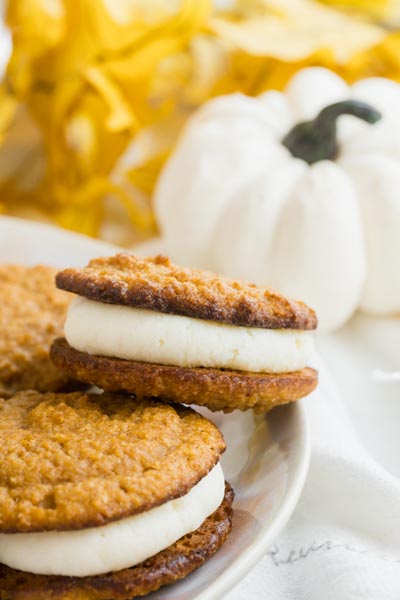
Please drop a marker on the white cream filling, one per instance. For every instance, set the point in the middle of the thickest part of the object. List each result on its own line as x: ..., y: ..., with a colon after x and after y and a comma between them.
x: 116, y: 546
x: 144, y: 335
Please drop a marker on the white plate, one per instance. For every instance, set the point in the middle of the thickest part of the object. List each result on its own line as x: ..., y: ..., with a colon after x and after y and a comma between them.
x: 267, y: 457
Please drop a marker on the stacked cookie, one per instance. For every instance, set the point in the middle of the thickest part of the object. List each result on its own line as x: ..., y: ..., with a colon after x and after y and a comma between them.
x: 103, y: 497
x: 109, y: 496
x: 148, y: 327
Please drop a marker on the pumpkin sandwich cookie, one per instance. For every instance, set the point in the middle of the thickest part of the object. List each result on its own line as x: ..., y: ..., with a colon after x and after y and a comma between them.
x: 32, y: 314
x: 148, y: 327
x: 103, y: 497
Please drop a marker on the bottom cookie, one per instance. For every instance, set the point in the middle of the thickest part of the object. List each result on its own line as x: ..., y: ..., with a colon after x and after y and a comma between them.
x: 218, y: 389
x: 169, y: 565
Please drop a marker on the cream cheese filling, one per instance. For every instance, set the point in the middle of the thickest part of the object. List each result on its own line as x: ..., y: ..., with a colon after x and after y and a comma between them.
x: 118, y: 545
x: 149, y: 336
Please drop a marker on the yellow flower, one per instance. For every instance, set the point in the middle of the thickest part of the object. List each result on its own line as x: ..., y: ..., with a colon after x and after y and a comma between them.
x: 86, y: 75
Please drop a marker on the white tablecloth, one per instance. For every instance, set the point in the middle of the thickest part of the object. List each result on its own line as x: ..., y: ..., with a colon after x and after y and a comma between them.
x: 343, y: 541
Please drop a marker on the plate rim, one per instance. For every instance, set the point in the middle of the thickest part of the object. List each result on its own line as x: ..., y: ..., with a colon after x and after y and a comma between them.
x: 54, y: 229
x: 243, y: 565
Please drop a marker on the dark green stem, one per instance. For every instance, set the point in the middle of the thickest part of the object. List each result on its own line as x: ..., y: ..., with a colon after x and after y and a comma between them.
x: 316, y: 140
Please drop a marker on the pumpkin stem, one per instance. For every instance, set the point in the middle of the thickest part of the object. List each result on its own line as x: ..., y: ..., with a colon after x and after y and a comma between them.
x: 316, y: 140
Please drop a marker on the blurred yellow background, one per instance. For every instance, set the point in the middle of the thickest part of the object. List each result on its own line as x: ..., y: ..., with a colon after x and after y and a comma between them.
x: 96, y: 92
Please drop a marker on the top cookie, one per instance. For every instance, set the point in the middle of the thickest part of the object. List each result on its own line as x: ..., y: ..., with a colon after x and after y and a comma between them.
x: 159, y: 285
x: 72, y: 461
x: 32, y: 313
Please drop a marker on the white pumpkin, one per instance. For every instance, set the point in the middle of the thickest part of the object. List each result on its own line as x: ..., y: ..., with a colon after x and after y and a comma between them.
x: 234, y: 199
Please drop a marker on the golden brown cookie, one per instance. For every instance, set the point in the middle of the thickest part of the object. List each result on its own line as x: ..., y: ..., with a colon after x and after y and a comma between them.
x: 169, y: 565
x: 73, y: 461
x: 32, y: 313
x: 157, y: 284
x: 218, y: 389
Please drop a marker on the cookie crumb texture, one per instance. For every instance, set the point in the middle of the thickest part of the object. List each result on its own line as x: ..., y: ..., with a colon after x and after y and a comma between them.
x: 32, y: 313
x: 157, y: 284
x: 169, y: 565
x: 73, y: 461
x: 218, y: 389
